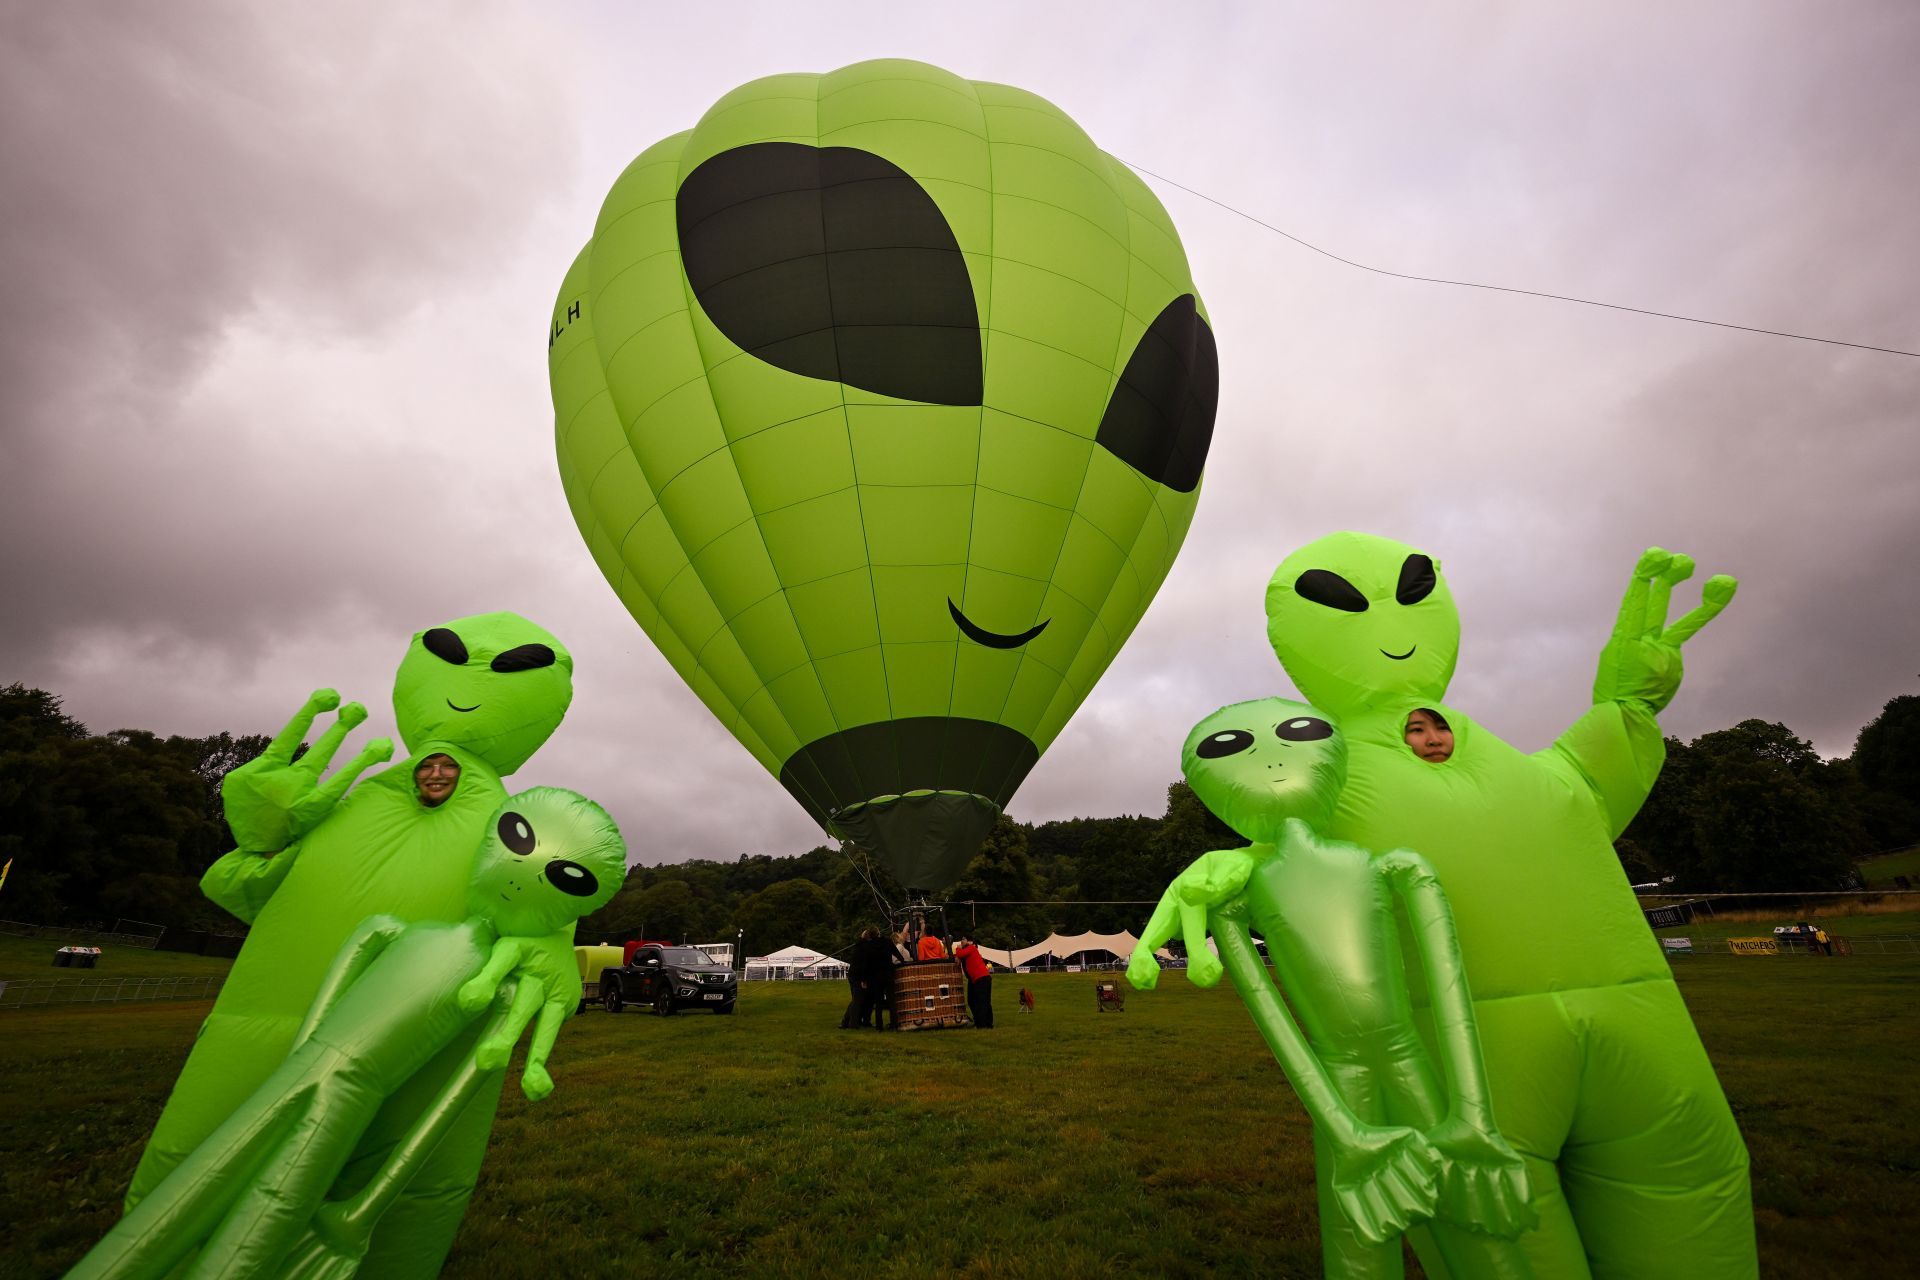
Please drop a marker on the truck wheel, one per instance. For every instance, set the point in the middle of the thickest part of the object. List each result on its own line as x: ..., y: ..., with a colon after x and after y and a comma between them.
x: 611, y: 998
x: 724, y: 1008
x: 663, y: 1000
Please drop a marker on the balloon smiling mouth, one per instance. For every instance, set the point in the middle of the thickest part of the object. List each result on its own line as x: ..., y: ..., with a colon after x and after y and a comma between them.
x: 457, y: 707
x: 1400, y: 657
x: 992, y: 639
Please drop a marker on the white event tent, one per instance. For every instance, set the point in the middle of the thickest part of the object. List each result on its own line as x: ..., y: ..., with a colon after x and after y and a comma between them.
x: 793, y: 962
x: 1064, y: 947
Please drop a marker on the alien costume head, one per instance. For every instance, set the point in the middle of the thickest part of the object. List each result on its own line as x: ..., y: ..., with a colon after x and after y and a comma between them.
x: 1256, y: 764
x: 882, y: 399
x: 1360, y: 622
x: 494, y: 684
x: 550, y: 856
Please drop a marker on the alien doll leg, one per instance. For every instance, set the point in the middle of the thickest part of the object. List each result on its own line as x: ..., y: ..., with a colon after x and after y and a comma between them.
x: 185, y: 1211
x: 1655, y: 1168
x: 412, y: 1238
x: 1344, y: 1253
x: 229, y: 1059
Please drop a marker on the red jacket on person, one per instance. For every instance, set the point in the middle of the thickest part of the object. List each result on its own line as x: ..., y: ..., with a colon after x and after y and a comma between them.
x: 972, y: 961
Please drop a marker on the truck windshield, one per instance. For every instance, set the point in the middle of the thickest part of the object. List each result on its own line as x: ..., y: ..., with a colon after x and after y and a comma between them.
x: 685, y: 955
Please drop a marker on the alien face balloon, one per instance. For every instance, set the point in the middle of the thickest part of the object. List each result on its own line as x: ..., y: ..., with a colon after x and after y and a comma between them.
x: 494, y: 683
x: 1360, y: 621
x: 1256, y: 764
x: 549, y: 857
x: 882, y: 399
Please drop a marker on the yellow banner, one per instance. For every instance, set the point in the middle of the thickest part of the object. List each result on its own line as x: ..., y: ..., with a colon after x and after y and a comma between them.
x: 1754, y: 946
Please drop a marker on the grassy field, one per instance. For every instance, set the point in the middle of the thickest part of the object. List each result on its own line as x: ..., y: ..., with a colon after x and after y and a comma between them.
x: 31, y: 958
x: 1879, y: 872
x: 1158, y: 1141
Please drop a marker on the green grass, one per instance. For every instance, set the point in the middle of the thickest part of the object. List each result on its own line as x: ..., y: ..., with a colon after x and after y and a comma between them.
x: 1879, y: 872
x: 1159, y: 1141
x: 23, y: 958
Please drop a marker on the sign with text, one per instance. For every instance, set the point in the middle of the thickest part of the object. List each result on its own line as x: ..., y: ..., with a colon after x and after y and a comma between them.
x: 1677, y: 946
x: 1753, y: 946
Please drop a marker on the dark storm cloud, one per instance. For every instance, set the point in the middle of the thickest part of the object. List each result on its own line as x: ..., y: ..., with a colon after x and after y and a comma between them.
x: 176, y: 172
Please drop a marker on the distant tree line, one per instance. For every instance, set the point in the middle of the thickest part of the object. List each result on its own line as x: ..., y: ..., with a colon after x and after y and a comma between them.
x: 122, y: 825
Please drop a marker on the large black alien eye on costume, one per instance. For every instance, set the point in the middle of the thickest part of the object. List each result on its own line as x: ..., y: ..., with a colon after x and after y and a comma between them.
x: 516, y: 833
x: 1228, y: 742
x: 524, y: 657
x: 1417, y: 580
x: 446, y: 646
x: 832, y: 263
x: 1303, y: 729
x: 1322, y: 586
x: 571, y: 878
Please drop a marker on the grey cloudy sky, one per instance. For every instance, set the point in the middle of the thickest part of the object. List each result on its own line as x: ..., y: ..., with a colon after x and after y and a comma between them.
x: 276, y: 279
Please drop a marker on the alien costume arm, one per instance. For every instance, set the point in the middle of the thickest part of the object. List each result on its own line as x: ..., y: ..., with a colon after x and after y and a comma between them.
x: 1616, y: 750
x: 1483, y: 1180
x: 273, y: 800
x: 1382, y: 1177
x: 1212, y: 879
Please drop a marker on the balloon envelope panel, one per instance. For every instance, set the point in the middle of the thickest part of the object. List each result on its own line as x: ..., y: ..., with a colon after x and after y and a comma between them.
x: 882, y: 400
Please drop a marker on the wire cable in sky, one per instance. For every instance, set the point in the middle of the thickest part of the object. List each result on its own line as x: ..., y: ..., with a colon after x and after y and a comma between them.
x: 1501, y: 288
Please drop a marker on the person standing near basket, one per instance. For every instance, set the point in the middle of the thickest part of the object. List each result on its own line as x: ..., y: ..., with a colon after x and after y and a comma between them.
x: 979, y: 982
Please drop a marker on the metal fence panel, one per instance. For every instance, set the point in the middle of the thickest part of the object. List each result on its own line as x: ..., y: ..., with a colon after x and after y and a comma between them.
x: 31, y: 992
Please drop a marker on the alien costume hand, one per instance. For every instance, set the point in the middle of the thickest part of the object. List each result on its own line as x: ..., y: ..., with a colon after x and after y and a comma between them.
x: 1385, y: 1178
x: 1641, y: 662
x: 273, y: 800
x: 1483, y: 1180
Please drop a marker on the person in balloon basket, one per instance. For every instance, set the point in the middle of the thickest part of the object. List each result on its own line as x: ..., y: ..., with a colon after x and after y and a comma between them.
x: 979, y: 982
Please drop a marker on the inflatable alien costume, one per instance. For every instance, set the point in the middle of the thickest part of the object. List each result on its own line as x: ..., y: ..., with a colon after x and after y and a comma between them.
x: 486, y: 691
x: 251, y: 1199
x: 1633, y: 1160
x: 1392, y: 1146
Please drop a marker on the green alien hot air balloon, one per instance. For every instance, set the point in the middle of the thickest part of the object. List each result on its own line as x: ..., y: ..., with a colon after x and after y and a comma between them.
x: 882, y: 399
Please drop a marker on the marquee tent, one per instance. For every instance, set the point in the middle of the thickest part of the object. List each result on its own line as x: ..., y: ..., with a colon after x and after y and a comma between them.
x: 1060, y: 946
x: 793, y: 962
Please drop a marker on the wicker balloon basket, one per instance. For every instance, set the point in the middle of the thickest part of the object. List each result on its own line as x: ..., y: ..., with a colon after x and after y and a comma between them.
x: 929, y: 993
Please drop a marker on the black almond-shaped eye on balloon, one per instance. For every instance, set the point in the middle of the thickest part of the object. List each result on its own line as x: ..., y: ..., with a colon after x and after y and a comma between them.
x: 446, y: 646
x: 516, y: 833
x: 1303, y: 729
x: 524, y: 657
x: 832, y: 263
x: 1228, y: 742
x: 1417, y: 580
x: 1325, y: 587
x: 1159, y: 420
x: 571, y: 878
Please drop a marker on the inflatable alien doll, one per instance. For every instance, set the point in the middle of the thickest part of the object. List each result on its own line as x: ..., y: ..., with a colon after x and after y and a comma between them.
x: 1392, y: 1146
x: 1598, y: 1078
x: 251, y: 1200
x: 486, y: 692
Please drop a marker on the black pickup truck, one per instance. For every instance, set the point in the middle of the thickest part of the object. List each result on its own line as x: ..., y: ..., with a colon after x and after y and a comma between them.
x: 669, y: 979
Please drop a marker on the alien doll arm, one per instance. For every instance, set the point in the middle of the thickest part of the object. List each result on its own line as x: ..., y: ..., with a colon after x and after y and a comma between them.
x: 1383, y: 1177
x: 1212, y: 879
x: 1483, y: 1180
x: 360, y: 949
x: 273, y: 800
x: 1615, y: 749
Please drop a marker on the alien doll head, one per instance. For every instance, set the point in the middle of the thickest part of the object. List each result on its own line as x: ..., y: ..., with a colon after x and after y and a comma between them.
x: 1256, y: 764
x: 1361, y: 622
x: 550, y: 856
x: 494, y: 683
